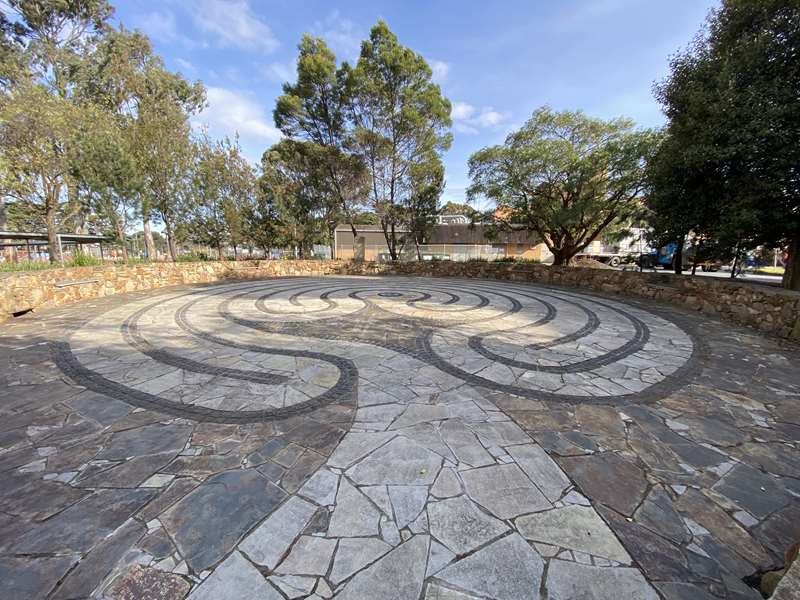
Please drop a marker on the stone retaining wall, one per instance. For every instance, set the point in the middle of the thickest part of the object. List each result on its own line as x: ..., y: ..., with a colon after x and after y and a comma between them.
x: 767, y: 309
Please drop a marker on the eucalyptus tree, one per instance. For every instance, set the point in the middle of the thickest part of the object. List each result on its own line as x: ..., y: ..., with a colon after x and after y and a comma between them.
x: 104, y: 168
x: 291, y: 183
x: 565, y: 176
x: 46, y: 43
x: 316, y: 110
x: 223, y: 186
x: 401, y: 124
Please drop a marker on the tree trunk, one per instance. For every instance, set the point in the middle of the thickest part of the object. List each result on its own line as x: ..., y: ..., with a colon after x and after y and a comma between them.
x: 173, y: 253
x: 735, y: 262
x: 52, y: 234
x: 677, y: 256
x: 219, y: 251
x: 121, y: 236
x: 791, y: 276
x: 149, y: 244
x: 563, y: 256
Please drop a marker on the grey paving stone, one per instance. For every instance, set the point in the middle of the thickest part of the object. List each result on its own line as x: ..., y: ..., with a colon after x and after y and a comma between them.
x: 235, y: 578
x: 32, y: 578
x: 396, y: 576
x: 461, y: 526
x: 82, y: 525
x: 507, y: 569
x: 294, y: 586
x: 309, y: 556
x: 355, y: 446
x: 434, y: 591
x: 150, y: 439
x: 658, y: 513
x: 353, y: 554
x: 503, y: 433
x: 465, y: 445
x: 574, y: 527
x: 504, y: 490
x: 420, y: 413
x: 270, y: 540
x: 407, y: 502
x: 569, y: 581
x: 354, y: 515
x: 208, y: 522
x: 541, y: 469
x: 446, y: 485
x: 756, y: 492
x: 608, y: 478
x: 439, y: 557
x: 400, y: 462
x: 93, y: 568
x: 321, y: 487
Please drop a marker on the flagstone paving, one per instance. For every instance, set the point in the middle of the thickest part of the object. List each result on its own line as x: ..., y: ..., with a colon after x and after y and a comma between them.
x: 391, y: 438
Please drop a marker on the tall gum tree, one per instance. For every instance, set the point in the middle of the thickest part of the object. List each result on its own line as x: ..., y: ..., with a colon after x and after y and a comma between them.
x: 565, y: 176
x: 315, y: 110
x: 402, y: 123
x: 40, y: 76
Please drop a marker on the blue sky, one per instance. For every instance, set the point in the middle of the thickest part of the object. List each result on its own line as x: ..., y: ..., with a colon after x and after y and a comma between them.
x: 496, y: 61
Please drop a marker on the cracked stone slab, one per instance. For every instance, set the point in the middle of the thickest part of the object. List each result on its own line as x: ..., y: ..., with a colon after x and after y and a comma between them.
x: 504, y: 490
x: 235, y: 578
x: 309, y: 556
x: 574, y: 527
x: 541, y: 469
x: 208, y: 522
x: 407, y: 502
x: 461, y: 526
x: 270, y: 540
x: 355, y: 446
x: 353, y: 554
x: 507, y: 569
x: 400, y: 462
x: 354, y: 515
x: 569, y: 580
x: 321, y: 487
x: 396, y: 576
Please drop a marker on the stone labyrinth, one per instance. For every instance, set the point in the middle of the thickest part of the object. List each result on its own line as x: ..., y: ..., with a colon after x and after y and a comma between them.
x: 388, y: 438
x: 244, y: 353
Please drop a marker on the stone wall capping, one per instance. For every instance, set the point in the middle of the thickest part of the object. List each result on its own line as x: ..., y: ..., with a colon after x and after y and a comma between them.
x: 767, y: 309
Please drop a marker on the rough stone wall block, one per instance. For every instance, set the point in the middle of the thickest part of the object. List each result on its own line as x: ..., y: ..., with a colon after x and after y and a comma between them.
x: 770, y: 310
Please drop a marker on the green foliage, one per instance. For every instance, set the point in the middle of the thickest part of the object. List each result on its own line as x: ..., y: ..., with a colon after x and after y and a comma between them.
x: 565, y: 176
x: 401, y: 127
x: 224, y: 186
x: 728, y: 170
x: 80, y: 259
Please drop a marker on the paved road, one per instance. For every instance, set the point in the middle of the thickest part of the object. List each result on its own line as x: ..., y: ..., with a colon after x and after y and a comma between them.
x: 747, y: 277
x: 391, y: 438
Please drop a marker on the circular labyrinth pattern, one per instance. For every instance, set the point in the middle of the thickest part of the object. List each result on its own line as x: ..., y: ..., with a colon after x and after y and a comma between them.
x: 256, y: 351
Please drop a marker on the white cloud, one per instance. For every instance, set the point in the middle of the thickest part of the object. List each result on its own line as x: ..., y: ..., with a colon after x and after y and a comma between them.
x: 187, y: 67
x: 440, y: 70
x: 340, y: 34
x: 235, y: 24
x: 281, y: 71
x: 230, y: 112
x: 468, y: 119
x: 158, y: 25
x: 461, y: 111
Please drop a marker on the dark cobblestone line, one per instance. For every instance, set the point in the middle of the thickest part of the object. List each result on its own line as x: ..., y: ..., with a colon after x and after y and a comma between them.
x: 640, y: 338
x: 131, y: 333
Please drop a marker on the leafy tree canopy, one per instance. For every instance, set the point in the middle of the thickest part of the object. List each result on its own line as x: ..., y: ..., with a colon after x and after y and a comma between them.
x: 565, y: 176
